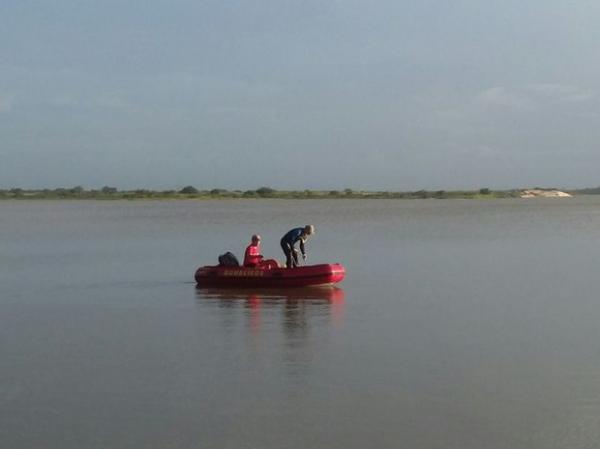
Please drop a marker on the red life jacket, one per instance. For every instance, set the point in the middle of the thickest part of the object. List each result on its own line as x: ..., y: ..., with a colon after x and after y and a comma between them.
x: 252, y: 256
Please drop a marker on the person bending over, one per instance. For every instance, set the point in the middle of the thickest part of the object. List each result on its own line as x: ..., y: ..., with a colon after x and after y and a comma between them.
x: 252, y: 256
x: 289, y: 240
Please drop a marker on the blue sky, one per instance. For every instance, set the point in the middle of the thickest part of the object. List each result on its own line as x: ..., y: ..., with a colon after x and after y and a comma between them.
x: 299, y: 94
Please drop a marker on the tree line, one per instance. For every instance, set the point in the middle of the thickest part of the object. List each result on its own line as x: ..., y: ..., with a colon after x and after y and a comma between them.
x: 191, y: 192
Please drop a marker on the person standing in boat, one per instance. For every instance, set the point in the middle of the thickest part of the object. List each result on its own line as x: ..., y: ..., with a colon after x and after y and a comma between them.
x: 252, y: 256
x: 289, y: 240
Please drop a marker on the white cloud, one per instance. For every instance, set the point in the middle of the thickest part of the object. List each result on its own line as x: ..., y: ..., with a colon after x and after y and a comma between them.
x: 6, y: 102
x: 65, y: 101
x: 533, y: 96
x: 563, y: 92
x: 501, y: 96
x: 112, y: 102
x: 451, y: 114
x: 479, y: 151
x: 104, y: 101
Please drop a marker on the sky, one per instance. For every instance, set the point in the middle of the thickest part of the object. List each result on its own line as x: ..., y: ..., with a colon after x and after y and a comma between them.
x: 318, y: 94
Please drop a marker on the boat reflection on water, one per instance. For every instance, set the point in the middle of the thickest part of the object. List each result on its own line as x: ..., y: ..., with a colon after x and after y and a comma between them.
x: 325, y: 294
x: 298, y: 305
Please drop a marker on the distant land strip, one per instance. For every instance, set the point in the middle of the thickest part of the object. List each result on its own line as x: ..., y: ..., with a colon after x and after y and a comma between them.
x: 190, y: 192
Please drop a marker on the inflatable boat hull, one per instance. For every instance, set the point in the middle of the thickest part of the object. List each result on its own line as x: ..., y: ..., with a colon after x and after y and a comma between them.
x: 222, y: 276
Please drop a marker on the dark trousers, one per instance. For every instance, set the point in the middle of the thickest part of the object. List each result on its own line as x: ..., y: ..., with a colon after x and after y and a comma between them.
x: 291, y: 255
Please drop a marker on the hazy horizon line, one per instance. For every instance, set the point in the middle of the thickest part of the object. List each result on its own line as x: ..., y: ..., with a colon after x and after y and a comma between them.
x: 206, y: 189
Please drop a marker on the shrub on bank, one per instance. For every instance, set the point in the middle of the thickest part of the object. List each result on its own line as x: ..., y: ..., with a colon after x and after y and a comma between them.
x: 189, y: 190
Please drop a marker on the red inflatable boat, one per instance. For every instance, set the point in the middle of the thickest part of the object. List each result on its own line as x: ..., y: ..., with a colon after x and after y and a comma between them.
x: 225, y: 276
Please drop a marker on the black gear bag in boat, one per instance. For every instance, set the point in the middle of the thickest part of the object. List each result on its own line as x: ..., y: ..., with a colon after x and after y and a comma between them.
x: 228, y: 260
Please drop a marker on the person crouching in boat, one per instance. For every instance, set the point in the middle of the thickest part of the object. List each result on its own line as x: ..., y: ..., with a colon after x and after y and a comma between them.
x: 252, y: 256
x: 289, y: 240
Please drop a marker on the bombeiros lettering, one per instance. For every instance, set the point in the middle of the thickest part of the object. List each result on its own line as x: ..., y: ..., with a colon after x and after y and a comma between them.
x: 244, y: 273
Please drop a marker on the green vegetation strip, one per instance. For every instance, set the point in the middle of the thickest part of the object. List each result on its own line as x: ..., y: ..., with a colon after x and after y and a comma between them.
x: 190, y: 192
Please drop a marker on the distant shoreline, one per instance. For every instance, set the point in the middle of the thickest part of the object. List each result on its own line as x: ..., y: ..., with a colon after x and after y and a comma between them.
x: 191, y: 193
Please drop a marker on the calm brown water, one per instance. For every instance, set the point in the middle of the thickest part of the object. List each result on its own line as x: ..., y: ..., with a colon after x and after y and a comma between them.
x: 461, y: 324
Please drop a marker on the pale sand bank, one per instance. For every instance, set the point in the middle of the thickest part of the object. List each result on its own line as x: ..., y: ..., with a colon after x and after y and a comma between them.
x: 537, y: 193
